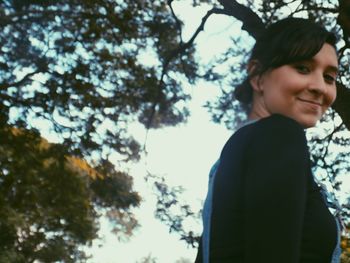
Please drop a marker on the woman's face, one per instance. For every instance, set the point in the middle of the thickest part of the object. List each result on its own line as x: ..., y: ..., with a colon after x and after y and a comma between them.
x: 302, y: 91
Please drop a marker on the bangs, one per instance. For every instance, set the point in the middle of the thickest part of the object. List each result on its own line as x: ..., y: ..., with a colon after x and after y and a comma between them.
x: 288, y: 41
x: 297, y: 48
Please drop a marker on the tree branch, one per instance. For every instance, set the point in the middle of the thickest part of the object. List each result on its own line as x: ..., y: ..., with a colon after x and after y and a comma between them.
x: 179, y: 50
x: 252, y: 23
x: 317, y: 8
x: 189, y: 43
x: 178, y: 22
x: 4, y: 86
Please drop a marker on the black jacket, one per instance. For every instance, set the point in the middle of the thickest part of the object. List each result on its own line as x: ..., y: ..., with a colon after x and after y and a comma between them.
x: 266, y: 205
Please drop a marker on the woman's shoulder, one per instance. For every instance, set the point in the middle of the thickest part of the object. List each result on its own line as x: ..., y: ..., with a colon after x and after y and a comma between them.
x: 275, y: 124
x: 273, y: 134
x: 279, y: 121
x: 276, y: 128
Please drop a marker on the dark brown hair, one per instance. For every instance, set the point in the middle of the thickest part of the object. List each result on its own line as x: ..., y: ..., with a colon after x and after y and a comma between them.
x: 284, y: 42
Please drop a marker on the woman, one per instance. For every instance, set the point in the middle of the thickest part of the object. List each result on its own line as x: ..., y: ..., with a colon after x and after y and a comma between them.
x: 263, y: 204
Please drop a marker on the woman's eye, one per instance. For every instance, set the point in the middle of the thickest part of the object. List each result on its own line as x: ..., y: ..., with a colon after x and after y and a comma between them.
x: 329, y: 78
x: 302, y: 69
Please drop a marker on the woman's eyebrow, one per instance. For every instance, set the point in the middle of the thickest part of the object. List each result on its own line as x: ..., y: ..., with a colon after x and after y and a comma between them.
x: 333, y: 69
x: 329, y: 67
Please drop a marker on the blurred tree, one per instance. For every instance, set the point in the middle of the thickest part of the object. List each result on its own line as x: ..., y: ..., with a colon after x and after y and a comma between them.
x: 50, y: 202
x: 81, y: 70
x: 345, y: 245
x: 85, y: 67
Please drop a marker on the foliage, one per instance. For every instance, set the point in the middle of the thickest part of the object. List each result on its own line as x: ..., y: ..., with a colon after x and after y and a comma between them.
x: 79, y: 69
x: 345, y: 245
x: 73, y: 68
x: 173, y: 211
x: 49, y: 200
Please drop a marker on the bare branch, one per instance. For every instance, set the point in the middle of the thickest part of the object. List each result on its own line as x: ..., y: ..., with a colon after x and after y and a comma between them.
x: 178, y: 22
x: 179, y: 50
x: 317, y: 8
x: 251, y: 21
x: 189, y: 43
x: 4, y: 86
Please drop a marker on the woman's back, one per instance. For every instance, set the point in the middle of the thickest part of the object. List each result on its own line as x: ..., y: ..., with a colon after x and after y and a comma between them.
x: 266, y: 206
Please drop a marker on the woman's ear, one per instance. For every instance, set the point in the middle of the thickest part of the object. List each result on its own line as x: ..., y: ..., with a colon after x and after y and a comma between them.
x: 254, y: 76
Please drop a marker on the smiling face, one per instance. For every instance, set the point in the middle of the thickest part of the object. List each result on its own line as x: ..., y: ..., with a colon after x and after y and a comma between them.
x: 302, y: 91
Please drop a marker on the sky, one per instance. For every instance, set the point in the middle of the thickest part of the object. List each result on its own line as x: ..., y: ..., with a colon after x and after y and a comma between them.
x: 182, y: 154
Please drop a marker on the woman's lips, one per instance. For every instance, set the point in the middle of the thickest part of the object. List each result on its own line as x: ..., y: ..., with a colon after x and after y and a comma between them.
x: 313, y: 106
x: 317, y: 103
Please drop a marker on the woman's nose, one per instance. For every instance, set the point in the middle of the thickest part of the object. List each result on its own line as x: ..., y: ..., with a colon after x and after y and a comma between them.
x: 317, y: 84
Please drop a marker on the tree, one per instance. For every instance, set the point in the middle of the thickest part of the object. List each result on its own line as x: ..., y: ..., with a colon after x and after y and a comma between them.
x: 51, y: 201
x: 78, y: 68
x: 345, y: 245
x: 72, y: 68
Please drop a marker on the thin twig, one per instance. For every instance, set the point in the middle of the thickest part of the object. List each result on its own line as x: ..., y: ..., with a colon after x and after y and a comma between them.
x: 179, y: 50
